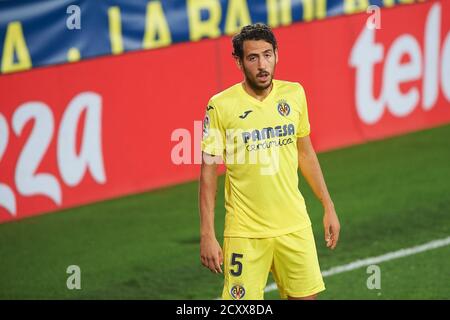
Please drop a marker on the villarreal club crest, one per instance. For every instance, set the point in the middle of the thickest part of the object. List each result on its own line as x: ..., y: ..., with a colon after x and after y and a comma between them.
x: 237, y: 292
x: 283, y: 108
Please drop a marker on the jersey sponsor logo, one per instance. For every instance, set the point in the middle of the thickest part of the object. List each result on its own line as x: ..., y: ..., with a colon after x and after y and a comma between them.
x: 264, y: 137
x: 209, y: 108
x: 268, y: 133
x: 269, y: 144
x: 283, y: 108
x: 237, y: 292
x: 243, y: 116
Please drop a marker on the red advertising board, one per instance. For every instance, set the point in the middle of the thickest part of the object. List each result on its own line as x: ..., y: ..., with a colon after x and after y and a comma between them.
x: 101, y: 128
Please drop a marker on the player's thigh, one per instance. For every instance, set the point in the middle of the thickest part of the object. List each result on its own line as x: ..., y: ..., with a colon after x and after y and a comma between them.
x: 296, y: 266
x: 247, y: 264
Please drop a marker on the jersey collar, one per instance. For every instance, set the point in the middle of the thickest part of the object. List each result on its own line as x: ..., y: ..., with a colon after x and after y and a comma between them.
x: 269, y: 96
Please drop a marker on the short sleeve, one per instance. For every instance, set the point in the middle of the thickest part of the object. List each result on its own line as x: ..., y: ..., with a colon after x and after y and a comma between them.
x: 213, y: 139
x: 303, y: 126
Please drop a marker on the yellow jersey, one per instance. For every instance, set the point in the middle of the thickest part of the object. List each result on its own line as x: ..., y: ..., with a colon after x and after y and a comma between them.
x: 257, y: 141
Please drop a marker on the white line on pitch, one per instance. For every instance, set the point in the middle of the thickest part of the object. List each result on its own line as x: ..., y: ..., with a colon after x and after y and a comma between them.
x: 374, y: 260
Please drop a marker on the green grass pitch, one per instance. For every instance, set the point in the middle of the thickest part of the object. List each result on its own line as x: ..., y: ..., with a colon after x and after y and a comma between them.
x: 389, y: 194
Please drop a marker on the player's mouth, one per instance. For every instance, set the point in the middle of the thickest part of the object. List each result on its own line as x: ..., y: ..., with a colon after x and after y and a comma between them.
x: 263, y: 76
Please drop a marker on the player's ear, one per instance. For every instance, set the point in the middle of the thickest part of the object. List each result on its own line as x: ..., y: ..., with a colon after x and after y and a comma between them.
x: 276, y: 56
x: 238, y: 62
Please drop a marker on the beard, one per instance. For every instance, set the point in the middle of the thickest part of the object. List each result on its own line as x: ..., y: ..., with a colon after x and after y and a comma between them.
x: 254, y: 84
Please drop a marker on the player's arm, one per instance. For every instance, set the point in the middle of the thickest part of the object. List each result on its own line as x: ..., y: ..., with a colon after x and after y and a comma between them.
x: 210, y: 250
x: 310, y: 168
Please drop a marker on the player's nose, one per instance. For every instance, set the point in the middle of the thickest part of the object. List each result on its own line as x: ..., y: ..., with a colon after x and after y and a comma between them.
x: 262, y: 64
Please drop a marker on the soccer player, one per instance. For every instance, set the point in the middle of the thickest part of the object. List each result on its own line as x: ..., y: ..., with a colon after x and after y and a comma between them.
x: 259, y: 128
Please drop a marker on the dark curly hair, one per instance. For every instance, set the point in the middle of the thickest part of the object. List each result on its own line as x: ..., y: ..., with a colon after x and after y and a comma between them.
x: 257, y: 31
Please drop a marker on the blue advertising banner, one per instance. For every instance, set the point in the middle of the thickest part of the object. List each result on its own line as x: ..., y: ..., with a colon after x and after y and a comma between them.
x: 45, y: 32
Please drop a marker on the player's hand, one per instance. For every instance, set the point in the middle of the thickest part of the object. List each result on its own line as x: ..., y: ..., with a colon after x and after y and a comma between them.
x: 211, y: 254
x: 332, y: 227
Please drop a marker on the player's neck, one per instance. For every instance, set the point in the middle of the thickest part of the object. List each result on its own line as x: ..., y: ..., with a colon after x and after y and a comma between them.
x: 257, y: 94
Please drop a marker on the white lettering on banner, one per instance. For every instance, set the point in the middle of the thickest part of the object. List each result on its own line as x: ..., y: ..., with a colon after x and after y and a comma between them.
x: 395, y: 73
x: 445, y: 74
x: 28, y: 182
x: 72, y: 166
x: 7, y: 198
x: 430, y: 78
x: 366, y: 53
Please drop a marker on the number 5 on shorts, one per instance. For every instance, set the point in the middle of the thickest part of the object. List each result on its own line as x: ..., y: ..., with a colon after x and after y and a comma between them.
x: 234, y: 262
